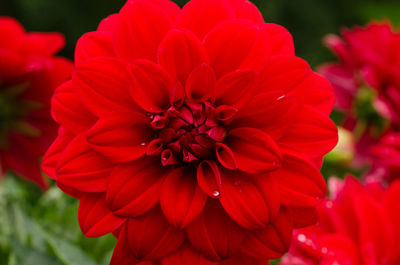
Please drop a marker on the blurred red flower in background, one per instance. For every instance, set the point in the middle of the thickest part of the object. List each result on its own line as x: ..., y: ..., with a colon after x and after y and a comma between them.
x: 29, y: 73
x: 359, y: 225
x: 386, y: 158
x: 194, y: 135
x: 366, y: 81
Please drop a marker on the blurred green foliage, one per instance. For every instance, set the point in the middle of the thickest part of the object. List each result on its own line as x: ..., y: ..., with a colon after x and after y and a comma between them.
x: 42, y: 228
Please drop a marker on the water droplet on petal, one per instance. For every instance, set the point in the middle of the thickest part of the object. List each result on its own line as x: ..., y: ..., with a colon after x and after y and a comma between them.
x: 301, y: 238
x: 324, y: 250
x: 143, y: 144
x: 215, y: 193
x: 281, y: 97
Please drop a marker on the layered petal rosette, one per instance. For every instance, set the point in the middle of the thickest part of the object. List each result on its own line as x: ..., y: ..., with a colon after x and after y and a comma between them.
x: 359, y: 225
x: 195, y: 136
x: 29, y: 74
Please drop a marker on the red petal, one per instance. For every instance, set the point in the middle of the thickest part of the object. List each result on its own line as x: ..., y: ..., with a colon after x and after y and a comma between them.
x: 95, y: 218
x: 225, y: 156
x: 109, y: 23
x: 246, y: 10
x: 286, y: 73
x: 200, y: 84
x: 122, y: 254
x: 312, y: 133
x: 281, y: 39
x: 182, y: 201
x: 168, y: 158
x: 248, y: 203
x: 214, y: 233
x: 271, y: 242
x: 177, y: 96
x: 94, y: 44
x: 151, y: 237
x: 272, y: 112
x: 303, y: 216
x: 237, y: 44
x: 200, y: 16
x: 255, y: 151
x: 209, y: 178
x: 391, y: 204
x: 11, y: 64
x: 180, y: 53
x: 155, y: 147
x: 23, y: 158
x: 139, y: 38
x: 375, y: 233
x: 50, y: 159
x: 103, y: 85
x: 70, y: 191
x: 186, y: 255
x: 134, y: 188
x: 235, y: 89
x: 121, y: 136
x: 68, y: 110
x: 38, y: 43
x: 151, y: 86
x: 10, y: 30
x: 301, y: 183
x: 243, y: 259
x: 344, y: 84
x: 225, y: 114
x: 82, y: 169
x: 322, y: 96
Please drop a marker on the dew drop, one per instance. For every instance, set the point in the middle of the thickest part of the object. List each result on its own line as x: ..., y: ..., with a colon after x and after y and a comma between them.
x: 143, y: 144
x: 301, y: 238
x: 281, y: 97
x: 215, y: 193
x: 324, y: 250
x: 329, y: 204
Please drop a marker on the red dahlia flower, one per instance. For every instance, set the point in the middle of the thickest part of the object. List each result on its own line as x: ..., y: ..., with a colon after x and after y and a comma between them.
x: 29, y: 73
x: 368, y: 58
x: 359, y: 225
x: 193, y: 135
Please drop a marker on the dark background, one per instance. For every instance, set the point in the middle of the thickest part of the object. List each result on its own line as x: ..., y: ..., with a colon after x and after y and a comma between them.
x: 307, y: 20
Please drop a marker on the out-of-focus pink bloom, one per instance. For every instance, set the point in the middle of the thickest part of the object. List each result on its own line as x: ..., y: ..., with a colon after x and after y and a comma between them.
x: 359, y: 225
x: 368, y: 58
x: 386, y: 158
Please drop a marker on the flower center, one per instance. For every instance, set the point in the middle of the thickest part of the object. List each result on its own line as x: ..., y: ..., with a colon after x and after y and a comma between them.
x: 187, y: 134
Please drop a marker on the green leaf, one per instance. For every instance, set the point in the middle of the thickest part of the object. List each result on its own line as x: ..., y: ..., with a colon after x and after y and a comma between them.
x: 29, y: 256
x: 67, y: 253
